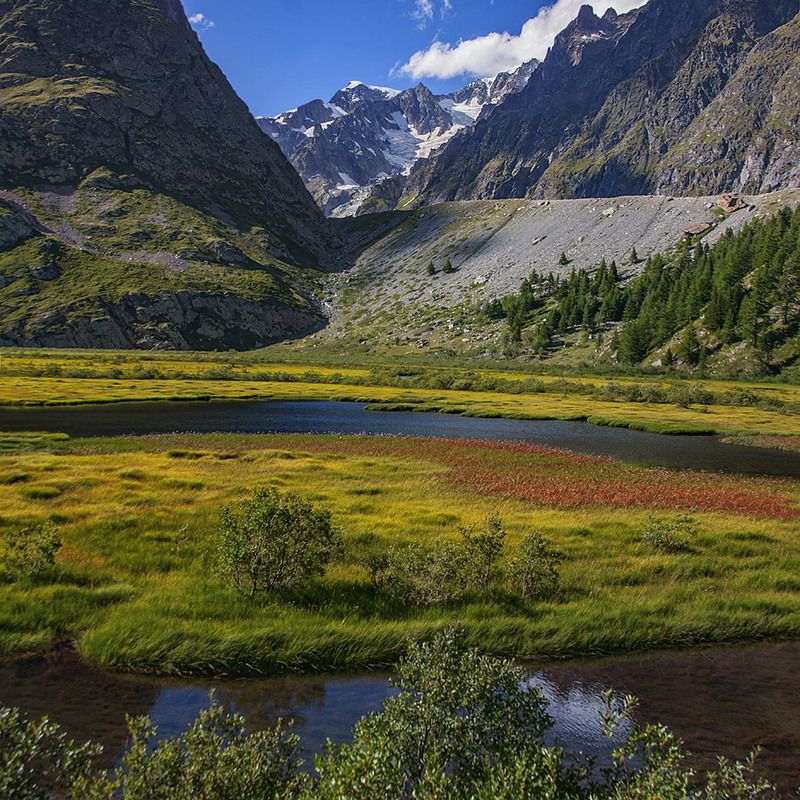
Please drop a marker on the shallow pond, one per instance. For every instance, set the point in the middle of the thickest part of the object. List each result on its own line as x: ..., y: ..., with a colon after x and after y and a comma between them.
x: 244, y: 416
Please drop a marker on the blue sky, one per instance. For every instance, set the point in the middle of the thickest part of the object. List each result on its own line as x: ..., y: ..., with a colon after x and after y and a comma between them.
x: 281, y: 53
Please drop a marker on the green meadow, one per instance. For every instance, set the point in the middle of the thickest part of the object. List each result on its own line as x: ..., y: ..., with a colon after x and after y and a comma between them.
x: 137, y: 585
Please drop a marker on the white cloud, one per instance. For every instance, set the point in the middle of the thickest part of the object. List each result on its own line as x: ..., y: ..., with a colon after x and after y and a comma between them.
x: 500, y: 52
x: 424, y: 11
x: 201, y: 23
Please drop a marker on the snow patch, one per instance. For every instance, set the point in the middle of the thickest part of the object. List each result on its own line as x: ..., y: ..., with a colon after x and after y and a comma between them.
x: 390, y: 93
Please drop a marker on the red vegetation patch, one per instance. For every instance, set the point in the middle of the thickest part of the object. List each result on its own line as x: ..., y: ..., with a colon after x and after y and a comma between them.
x: 563, y: 480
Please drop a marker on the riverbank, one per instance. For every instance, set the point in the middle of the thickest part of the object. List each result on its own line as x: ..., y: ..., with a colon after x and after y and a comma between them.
x: 61, y: 378
x: 137, y: 584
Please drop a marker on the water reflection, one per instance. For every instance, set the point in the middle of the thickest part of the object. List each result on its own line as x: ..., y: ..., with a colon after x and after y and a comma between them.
x: 317, y: 417
x: 719, y: 701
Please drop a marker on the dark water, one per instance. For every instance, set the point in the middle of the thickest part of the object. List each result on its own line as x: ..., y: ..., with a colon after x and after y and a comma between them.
x: 675, y: 452
x: 719, y: 701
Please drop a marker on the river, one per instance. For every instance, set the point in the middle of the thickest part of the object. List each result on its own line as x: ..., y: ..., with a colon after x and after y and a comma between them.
x: 705, y: 453
x: 720, y: 701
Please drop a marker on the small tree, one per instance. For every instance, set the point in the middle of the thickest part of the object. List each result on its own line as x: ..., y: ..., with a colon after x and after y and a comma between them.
x: 431, y: 269
x: 482, y: 550
x: 534, y: 569
x: 274, y: 541
x: 31, y: 551
x: 671, y: 536
x: 563, y: 260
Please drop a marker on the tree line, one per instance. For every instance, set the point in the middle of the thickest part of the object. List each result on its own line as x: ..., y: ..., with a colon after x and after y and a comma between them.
x: 744, y: 288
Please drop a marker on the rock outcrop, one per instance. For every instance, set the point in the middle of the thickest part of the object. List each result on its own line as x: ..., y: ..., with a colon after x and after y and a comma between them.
x: 166, y: 320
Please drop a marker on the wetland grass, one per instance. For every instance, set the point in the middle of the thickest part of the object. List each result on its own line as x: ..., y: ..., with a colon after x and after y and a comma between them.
x: 137, y: 584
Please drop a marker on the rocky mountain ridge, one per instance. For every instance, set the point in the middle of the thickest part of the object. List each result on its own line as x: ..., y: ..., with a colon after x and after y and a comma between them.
x: 366, y: 134
x: 129, y: 168
x: 675, y: 97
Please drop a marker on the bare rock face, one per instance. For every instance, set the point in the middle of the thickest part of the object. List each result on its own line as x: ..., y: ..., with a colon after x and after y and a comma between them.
x: 677, y: 97
x: 167, y: 320
x: 15, y: 225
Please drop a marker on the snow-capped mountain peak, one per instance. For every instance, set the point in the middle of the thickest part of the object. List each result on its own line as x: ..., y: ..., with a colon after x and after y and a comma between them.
x: 366, y: 134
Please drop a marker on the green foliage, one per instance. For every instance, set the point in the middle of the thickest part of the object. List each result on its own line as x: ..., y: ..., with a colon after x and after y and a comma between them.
x: 36, y: 757
x: 274, y: 541
x: 534, y: 570
x: 422, y: 576
x: 458, y: 718
x: 460, y: 726
x: 215, y: 759
x: 31, y: 551
x: 649, y: 764
x: 443, y: 573
x: 482, y: 550
x: 669, y: 536
x: 745, y: 288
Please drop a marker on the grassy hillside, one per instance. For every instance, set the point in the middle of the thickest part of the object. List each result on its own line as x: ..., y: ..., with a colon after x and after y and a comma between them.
x: 74, y: 256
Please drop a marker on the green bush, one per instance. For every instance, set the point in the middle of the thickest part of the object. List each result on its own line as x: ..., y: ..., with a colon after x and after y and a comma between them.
x: 669, y: 536
x: 461, y: 726
x: 274, y: 541
x: 458, y: 719
x: 533, y: 571
x: 36, y: 758
x: 418, y: 576
x: 30, y: 551
x: 482, y: 550
x: 443, y: 573
x: 215, y: 759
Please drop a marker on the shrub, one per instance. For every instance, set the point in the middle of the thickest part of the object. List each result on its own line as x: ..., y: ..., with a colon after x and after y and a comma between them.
x: 482, y: 551
x: 31, y: 551
x: 274, y: 541
x: 36, y: 757
x: 444, y: 572
x: 461, y: 726
x: 215, y: 759
x: 533, y: 571
x: 414, y: 575
x: 458, y: 719
x: 669, y: 537
x: 649, y: 764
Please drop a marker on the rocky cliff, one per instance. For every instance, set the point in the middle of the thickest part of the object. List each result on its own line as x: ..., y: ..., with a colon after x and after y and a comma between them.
x: 121, y: 143
x: 674, y: 97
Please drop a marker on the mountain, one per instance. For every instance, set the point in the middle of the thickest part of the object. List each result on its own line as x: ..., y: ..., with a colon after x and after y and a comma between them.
x: 366, y: 134
x: 141, y: 205
x: 678, y: 96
